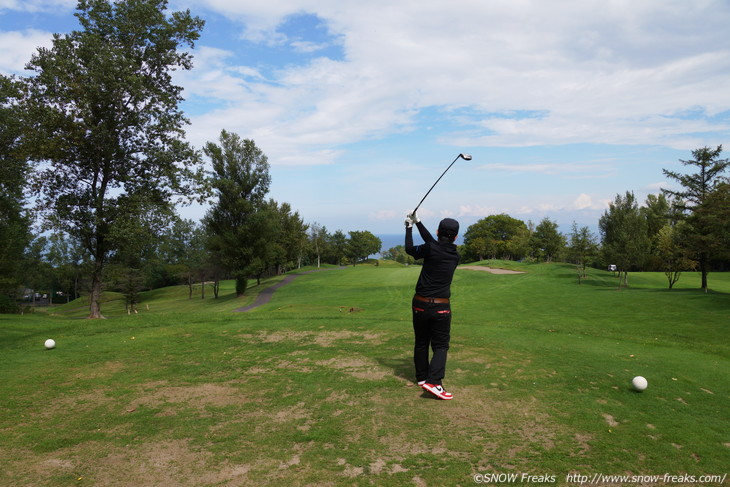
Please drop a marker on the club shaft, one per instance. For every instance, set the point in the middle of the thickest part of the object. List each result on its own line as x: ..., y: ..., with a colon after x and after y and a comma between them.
x: 434, y: 184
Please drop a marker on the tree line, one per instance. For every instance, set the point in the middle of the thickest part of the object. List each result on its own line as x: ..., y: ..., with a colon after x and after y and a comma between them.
x: 96, y: 137
x: 674, y: 231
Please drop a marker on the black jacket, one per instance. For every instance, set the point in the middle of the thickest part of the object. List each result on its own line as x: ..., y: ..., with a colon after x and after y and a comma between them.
x: 439, y: 263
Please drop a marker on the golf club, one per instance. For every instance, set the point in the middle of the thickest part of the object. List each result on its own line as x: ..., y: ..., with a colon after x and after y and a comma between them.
x: 466, y: 157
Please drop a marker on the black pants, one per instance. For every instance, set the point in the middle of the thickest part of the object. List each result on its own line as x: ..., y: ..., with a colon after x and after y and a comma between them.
x: 432, y: 328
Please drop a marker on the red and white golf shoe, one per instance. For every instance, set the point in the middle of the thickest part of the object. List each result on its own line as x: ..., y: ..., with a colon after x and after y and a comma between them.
x: 438, y: 391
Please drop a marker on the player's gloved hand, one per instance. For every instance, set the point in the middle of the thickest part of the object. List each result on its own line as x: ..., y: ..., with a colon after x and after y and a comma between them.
x: 414, y: 218
x: 409, y: 222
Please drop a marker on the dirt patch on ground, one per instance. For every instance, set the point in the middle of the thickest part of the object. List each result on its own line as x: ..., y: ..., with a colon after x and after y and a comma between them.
x: 321, y: 338
x: 357, y: 367
x: 610, y: 420
x: 491, y: 270
x: 167, y: 462
x: 156, y: 395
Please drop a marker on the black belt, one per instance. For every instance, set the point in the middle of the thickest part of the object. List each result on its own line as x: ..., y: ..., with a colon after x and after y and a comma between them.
x: 418, y: 297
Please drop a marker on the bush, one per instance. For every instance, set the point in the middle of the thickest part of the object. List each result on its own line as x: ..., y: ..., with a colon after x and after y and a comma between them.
x: 8, y: 305
x: 241, y: 285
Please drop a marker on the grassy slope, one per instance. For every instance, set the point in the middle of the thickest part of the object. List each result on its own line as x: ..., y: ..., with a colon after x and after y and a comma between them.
x: 314, y: 388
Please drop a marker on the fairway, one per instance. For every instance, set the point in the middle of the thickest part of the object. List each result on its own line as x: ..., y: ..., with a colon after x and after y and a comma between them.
x: 315, y: 386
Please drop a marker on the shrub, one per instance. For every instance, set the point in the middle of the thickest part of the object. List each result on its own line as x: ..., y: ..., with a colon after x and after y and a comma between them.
x: 8, y: 305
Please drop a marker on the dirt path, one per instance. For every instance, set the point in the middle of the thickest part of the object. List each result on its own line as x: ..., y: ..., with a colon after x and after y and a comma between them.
x: 489, y: 269
x: 265, y: 295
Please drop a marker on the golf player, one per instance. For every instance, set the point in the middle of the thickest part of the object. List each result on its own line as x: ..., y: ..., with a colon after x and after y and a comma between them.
x: 431, y: 306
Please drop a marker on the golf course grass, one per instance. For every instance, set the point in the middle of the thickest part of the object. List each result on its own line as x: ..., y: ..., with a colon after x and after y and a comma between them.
x: 316, y: 386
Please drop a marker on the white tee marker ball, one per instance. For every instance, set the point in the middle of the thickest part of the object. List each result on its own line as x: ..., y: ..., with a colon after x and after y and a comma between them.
x: 639, y: 383
x: 50, y: 343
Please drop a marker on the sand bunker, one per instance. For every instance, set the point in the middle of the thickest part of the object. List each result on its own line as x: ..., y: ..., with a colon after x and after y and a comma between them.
x: 489, y: 269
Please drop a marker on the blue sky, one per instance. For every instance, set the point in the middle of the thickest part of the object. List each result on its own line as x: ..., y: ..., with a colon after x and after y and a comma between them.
x: 360, y: 106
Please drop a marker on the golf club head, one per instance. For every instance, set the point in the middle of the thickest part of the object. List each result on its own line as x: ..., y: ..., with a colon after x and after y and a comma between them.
x: 466, y: 157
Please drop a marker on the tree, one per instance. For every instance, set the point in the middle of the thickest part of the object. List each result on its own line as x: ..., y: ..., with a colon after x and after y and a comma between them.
x: 672, y: 252
x: 697, y: 188
x: 241, y: 181
x: 547, y: 241
x: 181, y: 251
x: 625, y: 239
x: 317, y: 241
x: 716, y: 214
x: 496, y: 237
x: 398, y: 254
x: 14, y: 220
x: 37, y: 271
x: 67, y: 257
x: 135, y: 236
x: 361, y: 245
x: 103, y: 116
x: 582, y: 247
x: 336, y: 246
x: 658, y: 212
x: 267, y: 251
x: 476, y: 247
x: 293, y: 236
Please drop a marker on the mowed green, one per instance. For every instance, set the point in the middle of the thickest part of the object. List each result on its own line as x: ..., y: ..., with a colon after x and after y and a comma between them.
x: 316, y: 387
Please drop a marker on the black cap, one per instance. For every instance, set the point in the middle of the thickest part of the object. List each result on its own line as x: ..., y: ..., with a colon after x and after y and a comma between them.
x: 449, y: 227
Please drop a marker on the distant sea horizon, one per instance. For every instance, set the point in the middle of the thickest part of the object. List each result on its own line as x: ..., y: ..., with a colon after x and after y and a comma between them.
x: 393, y: 240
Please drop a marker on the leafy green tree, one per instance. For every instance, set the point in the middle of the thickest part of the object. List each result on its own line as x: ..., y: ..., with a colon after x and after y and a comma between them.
x: 658, y: 212
x: 672, y: 251
x: 546, y: 241
x: 181, y: 252
x: 103, y: 115
x: 37, y: 270
x: 135, y: 238
x: 241, y: 181
x: 293, y: 237
x: 476, y: 247
x: 14, y: 220
x: 267, y: 252
x: 624, y: 235
x: 398, y: 254
x: 279, y: 239
x: 496, y: 237
x: 336, y: 248
x: 317, y: 241
x: 361, y: 245
x: 582, y: 247
x: 68, y: 259
x: 695, y: 192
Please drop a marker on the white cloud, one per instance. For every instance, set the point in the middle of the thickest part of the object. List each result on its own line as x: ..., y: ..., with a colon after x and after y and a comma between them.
x: 573, y: 170
x: 384, y: 215
x: 657, y: 187
x: 582, y: 202
x: 18, y: 47
x: 606, y: 73
x: 477, y: 210
x: 37, y: 5
x: 306, y: 47
x: 597, y: 72
x: 537, y: 205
